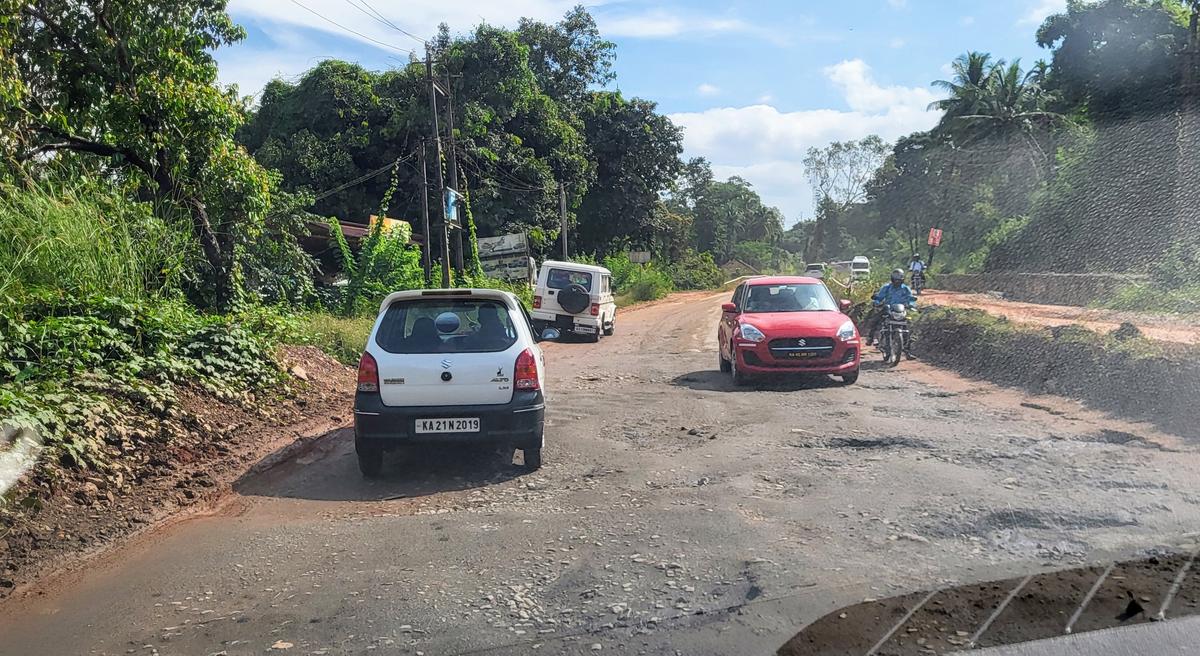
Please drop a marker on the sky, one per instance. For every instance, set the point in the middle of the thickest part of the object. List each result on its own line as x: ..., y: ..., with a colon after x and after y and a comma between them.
x: 753, y: 84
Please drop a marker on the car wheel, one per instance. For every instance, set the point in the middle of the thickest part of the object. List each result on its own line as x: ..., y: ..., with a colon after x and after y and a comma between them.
x: 592, y: 338
x: 850, y: 378
x: 370, y: 458
x: 722, y: 363
x: 532, y: 458
x: 612, y: 327
x: 739, y: 378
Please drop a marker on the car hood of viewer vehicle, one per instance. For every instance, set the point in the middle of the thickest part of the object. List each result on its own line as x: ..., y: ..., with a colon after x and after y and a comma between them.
x: 787, y: 323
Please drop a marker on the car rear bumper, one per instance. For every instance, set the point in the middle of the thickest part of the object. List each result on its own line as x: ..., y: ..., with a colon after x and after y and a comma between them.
x: 567, y: 321
x: 757, y: 359
x: 517, y: 423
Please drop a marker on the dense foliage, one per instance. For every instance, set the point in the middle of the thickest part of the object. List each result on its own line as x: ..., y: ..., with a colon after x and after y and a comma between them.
x: 1077, y: 164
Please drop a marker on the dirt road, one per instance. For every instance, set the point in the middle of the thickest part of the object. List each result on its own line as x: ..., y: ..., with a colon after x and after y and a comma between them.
x: 674, y: 512
x: 1162, y: 328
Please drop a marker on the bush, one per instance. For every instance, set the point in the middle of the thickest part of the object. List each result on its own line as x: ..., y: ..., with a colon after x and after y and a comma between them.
x: 696, y: 271
x: 647, y: 283
x: 84, y: 240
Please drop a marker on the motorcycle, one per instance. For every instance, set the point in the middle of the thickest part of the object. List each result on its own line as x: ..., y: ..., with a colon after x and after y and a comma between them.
x: 918, y: 281
x: 894, y: 334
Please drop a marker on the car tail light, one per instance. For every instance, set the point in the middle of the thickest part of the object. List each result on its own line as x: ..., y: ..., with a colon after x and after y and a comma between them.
x: 368, y: 374
x: 526, y: 371
x: 537, y: 302
x: 595, y: 309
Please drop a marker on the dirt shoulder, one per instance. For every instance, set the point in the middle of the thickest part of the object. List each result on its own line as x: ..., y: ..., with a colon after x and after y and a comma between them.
x: 58, y: 516
x: 1158, y: 327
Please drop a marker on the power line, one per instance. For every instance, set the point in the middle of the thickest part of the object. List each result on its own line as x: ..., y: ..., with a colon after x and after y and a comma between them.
x: 343, y: 27
x: 374, y: 13
x: 484, y: 176
x: 359, y: 180
x: 498, y: 172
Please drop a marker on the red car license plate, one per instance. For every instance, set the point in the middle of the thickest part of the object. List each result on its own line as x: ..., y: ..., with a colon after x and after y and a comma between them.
x: 800, y: 355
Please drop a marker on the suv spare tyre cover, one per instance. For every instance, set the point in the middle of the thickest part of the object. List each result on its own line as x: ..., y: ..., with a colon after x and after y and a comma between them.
x: 574, y: 299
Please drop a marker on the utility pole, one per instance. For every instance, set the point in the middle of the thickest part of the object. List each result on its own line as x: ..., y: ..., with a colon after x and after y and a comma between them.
x: 427, y: 247
x: 562, y: 217
x: 441, y: 188
x: 458, y: 236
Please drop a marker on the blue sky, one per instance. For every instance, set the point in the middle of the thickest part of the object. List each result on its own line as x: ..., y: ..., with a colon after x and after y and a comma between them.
x: 754, y: 84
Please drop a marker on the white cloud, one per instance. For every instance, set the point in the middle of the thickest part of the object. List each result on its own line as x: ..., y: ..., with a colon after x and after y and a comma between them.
x: 765, y: 99
x: 706, y: 89
x: 898, y: 4
x: 767, y: 146
x: 897, y: 43
x: 661, y: 23
x: 862, y: 93
x: 966, y: 20
x: 1038, y: 13
x: 420, y: 17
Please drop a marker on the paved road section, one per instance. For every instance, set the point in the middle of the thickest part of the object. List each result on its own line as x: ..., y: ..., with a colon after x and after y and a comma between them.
x: 675, y: 514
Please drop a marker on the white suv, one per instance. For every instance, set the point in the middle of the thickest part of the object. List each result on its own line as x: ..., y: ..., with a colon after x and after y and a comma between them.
x: 447, y: 366
x: 576, y: 298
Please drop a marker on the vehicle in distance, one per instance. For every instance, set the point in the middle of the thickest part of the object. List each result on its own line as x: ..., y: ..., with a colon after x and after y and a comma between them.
x: 777, y: 325
x: 450, y: 366
x: 575, y: 298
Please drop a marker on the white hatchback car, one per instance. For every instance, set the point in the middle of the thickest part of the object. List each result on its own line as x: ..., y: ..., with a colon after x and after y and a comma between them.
x: 575, y: 297
x: 447, y: 366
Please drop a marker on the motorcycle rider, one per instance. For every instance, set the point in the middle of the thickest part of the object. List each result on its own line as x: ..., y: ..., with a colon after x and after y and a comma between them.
x: 917, y: 267
x: 893, y: 293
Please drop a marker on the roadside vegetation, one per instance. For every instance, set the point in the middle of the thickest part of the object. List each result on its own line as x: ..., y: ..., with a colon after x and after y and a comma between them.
x: 1082, y: 162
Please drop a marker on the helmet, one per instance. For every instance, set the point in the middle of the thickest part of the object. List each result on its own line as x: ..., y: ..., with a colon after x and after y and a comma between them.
x: 897, y: 275
x: 916, y: 256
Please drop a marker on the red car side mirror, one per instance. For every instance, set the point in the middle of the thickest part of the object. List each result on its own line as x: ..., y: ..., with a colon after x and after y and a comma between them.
x: 728, y: 307
x: 845, y: 304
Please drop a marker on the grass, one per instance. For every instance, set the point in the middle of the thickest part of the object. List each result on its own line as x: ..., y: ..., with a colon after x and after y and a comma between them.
x: 340, y: 337
x: 1155, y: 299
x: 83, y: 241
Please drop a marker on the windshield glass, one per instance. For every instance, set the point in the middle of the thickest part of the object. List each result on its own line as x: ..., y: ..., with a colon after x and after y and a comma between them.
x: 652, y: 389
x: 790, y: 298
x: 446, y: 326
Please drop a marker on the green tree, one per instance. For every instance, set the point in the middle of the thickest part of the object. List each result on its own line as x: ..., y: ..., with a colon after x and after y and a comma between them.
x: 131, y: 87
x: 973, y: 73
x: 568, y: 57
x: 636, y: 151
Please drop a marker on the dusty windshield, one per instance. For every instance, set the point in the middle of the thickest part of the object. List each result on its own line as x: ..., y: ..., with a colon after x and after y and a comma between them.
x: 888, y: 344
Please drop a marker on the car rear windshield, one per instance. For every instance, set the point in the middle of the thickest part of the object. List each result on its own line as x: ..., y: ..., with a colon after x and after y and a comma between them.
x: 448, y: 325
x: 563, y: 278
x: 789, y: 298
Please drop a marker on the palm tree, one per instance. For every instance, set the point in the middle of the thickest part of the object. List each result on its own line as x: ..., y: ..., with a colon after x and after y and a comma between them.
x: 1012, y: 105
x: 973, y: 73
x: 1038, y: 73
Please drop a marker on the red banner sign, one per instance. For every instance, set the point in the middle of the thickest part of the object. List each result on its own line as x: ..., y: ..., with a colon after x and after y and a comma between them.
x: 935, y: 237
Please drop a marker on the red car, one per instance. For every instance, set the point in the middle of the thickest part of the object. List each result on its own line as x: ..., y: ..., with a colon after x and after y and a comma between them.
x: 787, y: 325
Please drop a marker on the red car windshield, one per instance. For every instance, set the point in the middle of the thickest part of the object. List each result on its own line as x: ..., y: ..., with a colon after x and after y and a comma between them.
x: 806, y: 297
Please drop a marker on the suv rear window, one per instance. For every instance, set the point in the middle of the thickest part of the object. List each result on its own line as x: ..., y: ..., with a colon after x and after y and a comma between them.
x: 563, y: 278
x: 446, y: 325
